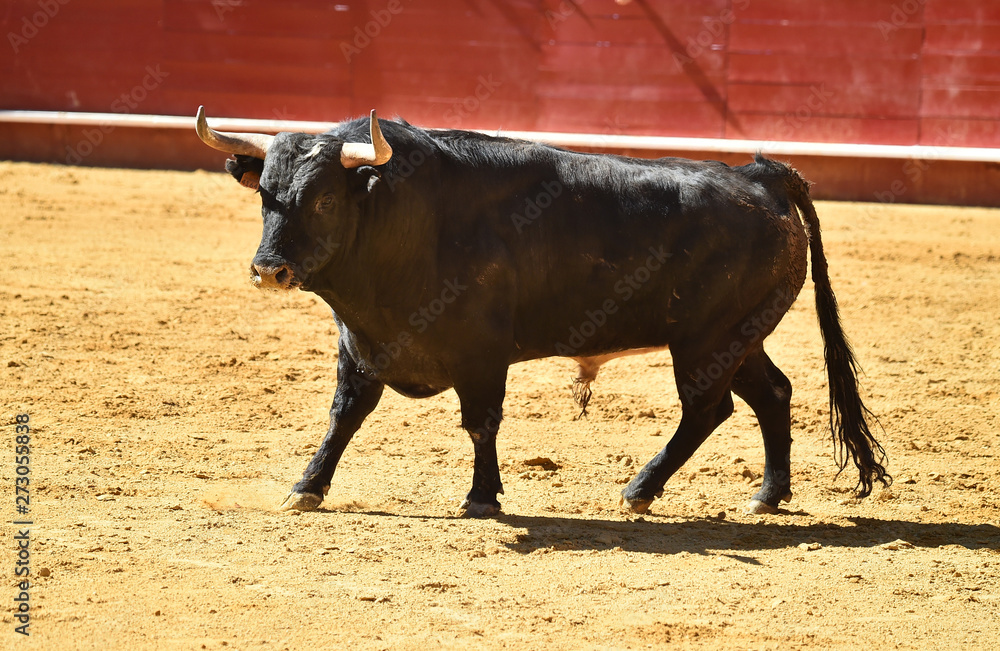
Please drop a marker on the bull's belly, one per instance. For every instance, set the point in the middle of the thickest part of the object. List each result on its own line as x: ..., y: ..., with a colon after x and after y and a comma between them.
x: 597, y: 336
x: 417, y: 390
x: 589, y: 366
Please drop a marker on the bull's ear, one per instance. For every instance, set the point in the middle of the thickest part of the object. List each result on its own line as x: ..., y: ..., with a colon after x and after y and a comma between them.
x: 246, y: 170
x: 368, y: 177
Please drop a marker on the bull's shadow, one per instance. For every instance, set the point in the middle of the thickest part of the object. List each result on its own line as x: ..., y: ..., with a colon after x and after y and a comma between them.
x: 698, y: 536
x: 710, y: 535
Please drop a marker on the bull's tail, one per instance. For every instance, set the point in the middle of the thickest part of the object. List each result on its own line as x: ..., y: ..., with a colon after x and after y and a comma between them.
x: 850, y: 420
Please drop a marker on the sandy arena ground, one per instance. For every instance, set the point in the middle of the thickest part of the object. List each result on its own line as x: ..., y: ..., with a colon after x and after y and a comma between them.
x: 173, y: 405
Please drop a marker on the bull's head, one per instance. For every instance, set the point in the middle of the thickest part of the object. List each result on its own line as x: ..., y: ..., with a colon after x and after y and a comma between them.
x: 310, y: 187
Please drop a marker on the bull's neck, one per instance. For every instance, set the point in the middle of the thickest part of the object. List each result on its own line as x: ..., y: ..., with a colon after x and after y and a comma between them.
x: 385, y: 261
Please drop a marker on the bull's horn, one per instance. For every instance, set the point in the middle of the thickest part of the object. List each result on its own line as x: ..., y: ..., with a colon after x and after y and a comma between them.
x: 356, y: 154
x: 247, y: 144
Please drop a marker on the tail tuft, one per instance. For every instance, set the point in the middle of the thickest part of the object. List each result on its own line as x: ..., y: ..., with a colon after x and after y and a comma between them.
x: 850, y: 420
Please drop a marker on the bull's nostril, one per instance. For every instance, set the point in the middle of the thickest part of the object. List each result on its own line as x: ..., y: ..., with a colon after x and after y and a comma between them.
x: 282, y: 276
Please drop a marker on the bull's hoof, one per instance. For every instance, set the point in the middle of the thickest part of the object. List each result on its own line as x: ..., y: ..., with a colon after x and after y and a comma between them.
x: 758, y: 507
x: 635, y: 505
x: 469, y: 509
x: 638, y: 504
x: 301, y: 502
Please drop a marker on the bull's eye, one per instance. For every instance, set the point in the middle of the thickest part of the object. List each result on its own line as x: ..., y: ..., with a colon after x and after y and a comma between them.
x: 325, y: 202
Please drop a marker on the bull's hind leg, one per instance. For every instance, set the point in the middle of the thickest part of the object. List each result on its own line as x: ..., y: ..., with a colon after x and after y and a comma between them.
x: 768, y: 392
x: 355, y: 398
x: 706, y: 404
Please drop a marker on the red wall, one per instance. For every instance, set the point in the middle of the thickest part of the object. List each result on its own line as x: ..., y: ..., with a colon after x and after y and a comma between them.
x: 875, y: 71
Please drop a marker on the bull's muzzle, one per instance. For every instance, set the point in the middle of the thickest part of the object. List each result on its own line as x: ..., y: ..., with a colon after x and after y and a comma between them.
x: 278, y: 278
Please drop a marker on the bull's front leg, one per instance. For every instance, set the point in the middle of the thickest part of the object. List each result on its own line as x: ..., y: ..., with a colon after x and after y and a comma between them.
x: 356, y: 396
x: 482, y: 411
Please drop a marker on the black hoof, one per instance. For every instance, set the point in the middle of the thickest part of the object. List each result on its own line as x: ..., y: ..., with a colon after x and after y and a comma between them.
x: 469, y: 509
x: 636, y: 503
x: 301, y: 502
x: 767, y: 501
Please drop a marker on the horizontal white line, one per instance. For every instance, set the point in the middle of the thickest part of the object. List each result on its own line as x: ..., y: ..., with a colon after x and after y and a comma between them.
x: 160, y: 121
x: 587, y: 140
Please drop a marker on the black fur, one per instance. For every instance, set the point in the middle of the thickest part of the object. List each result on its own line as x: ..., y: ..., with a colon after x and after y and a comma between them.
x: 467, y: 253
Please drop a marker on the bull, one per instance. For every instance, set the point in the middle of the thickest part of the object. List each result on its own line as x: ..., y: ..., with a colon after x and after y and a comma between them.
x: 449, y: 255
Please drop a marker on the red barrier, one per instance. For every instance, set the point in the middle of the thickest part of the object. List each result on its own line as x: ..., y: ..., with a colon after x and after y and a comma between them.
x: 872, y: 71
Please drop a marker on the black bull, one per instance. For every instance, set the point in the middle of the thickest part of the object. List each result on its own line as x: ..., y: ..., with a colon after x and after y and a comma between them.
x: 452, y: 255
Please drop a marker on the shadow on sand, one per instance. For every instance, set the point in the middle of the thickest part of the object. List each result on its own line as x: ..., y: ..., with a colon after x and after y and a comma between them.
x: 698, y: 536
